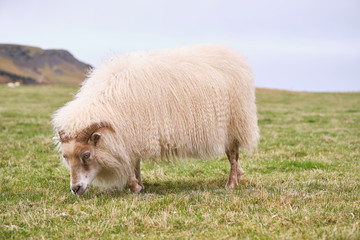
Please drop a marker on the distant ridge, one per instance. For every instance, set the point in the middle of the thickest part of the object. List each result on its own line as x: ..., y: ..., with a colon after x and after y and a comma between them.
x: 33, y: 65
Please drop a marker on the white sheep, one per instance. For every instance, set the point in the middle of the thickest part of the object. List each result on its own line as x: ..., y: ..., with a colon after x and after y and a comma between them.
x: 196, y: 101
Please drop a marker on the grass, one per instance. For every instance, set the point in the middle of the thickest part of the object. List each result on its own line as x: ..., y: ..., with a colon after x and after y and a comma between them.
x: 303, y: 181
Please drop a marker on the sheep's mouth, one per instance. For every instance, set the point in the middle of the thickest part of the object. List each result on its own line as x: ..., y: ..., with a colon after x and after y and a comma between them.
x: 79, y: 189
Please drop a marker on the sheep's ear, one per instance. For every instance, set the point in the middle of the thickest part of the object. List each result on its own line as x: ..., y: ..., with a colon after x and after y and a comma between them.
x: 95, y: 137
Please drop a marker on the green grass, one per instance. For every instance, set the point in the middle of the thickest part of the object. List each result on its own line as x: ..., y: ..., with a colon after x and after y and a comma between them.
x: 303, y: 182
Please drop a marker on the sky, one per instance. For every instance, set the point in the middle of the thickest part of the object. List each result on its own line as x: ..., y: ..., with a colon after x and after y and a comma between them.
x: 302, y: 45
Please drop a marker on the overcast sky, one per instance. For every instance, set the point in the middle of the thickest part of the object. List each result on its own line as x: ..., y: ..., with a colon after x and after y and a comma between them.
x: 311, y: 45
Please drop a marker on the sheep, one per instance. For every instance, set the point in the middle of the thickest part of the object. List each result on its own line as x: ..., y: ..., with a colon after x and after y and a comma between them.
x: 12, y: 85
x: 191, y: 102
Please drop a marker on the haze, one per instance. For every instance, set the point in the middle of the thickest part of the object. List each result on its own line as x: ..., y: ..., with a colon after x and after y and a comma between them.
x: 295, y: 45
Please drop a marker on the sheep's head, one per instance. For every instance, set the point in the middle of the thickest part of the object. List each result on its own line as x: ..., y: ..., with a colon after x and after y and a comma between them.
x: 80, y: 154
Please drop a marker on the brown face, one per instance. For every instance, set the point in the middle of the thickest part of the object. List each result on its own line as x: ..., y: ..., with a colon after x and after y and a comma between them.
x: 80, y: 155
x: 81, y: 159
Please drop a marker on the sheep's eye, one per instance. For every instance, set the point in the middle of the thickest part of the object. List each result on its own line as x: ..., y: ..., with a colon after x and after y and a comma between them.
x: 85, y: 156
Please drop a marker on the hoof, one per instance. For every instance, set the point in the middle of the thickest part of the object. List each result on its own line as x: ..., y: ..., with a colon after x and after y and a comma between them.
x: 231, y: 185
x: 136, y: 188
x: 134, y: 185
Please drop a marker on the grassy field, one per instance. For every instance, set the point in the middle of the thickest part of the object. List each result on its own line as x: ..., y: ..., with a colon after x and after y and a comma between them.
x: 303, y: 182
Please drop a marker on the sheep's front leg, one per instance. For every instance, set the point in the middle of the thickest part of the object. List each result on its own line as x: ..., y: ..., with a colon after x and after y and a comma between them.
x: 138, y: 175
x: 235, y: 169
x: 133, y: 184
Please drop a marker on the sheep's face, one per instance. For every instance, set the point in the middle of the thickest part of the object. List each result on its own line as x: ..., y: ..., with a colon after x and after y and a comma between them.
x: 80, y: 155
x: 81, y: 159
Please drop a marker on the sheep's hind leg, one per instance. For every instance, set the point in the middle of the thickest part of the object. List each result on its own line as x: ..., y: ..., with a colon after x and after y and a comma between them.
x: 235, y: 170
x: 239, y: 170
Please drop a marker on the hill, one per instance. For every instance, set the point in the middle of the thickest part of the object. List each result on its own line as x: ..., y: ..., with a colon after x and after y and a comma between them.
x: 33, y: 65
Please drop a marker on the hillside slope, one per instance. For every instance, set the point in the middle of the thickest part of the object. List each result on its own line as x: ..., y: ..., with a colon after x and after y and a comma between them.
x: 33, y: 65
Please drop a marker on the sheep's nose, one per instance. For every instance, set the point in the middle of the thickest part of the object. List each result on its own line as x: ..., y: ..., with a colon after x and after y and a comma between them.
x: 76, y: 189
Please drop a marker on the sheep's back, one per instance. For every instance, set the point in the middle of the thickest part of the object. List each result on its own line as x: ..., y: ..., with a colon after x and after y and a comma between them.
x: 182, y: 102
